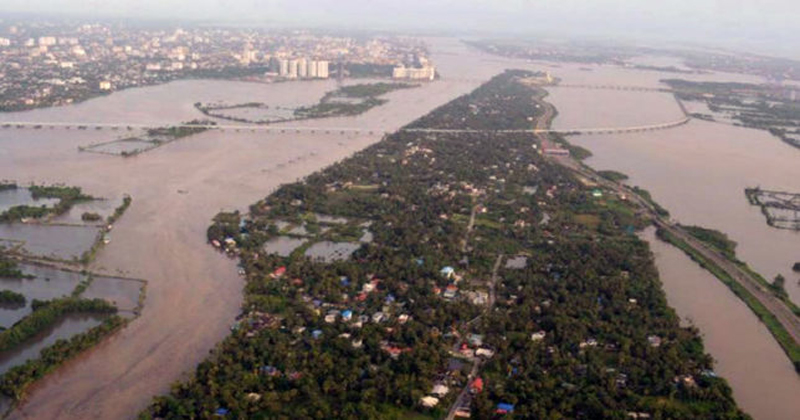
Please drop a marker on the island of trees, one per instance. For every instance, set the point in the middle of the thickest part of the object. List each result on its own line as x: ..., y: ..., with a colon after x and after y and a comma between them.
x: 491, y: 270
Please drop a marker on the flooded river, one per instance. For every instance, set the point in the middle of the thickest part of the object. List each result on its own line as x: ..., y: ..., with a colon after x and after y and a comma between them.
x: 179, y: 187
x: 699, y: 172
x: 762, y: 377
x: 176, y: 190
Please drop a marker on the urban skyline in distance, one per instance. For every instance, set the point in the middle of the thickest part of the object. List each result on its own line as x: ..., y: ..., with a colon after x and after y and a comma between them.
x: 749, y: 25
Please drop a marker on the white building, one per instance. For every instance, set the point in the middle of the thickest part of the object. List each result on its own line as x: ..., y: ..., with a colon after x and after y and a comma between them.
x: 312, y: 69
x: 283, y: 67
x: 322, y: 70
x: 302, y: 68
x: 410, y: 73
x: 292, y: 69
x: 47, y: 41
x: 5, y: 42
x: 105, y: 85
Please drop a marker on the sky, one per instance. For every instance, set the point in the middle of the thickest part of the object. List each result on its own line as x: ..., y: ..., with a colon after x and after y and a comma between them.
x: 746, y: 24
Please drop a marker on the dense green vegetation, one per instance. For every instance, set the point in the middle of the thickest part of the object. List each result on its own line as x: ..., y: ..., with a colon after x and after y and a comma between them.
x: 370, y: 90
x: 7, y: 185
x: 10, y: 297
x: 759, y: 106
x: 16, y: 381
x: 91, y: 217
x: 47, y: 313
x: 583, y: 330
x: 641, y: 192
x: 715, y: 239
x: 720, y: 241
x: 336, y: 103
x: 775, y: 327
x: 613, y: 175
x: 67, y: 197
x: 10, y: 269
x: 796, y: 267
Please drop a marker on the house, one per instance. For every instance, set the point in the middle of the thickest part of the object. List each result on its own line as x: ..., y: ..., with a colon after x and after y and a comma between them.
x: 475, y: 340
x: 654, y: 341
x: 316, y: 334
x: 450, y: 291
x: 378, y: 317
x: 504, y: 408
x: 429, y: 402
x: 476, y: 386
x: 221, y: 412
x: 402, y: 319
x: 347, y: 315
x: 463, y: 412
x: 357, y: 343
x: 485, y: 353
x: 447, y: 272
x: 538, y: 336
x: 278, y: 273
x: 440, y: 390
x: 330, y: 317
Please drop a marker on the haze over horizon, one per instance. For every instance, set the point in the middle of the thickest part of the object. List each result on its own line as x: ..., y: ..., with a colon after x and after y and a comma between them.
x: 747, y: 25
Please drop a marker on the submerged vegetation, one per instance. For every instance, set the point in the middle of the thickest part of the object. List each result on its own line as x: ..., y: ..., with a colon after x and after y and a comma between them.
x: 16, y: 381
x: 10, y: 269
x: 47, y: 313
x: 345, y: 101
x: 10, y: 297
x: 582, y: 329
x: 66, y: 196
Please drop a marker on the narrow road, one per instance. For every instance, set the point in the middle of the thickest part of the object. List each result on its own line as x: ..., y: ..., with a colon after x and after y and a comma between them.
x: 470, y: 226
x: 464, y: 397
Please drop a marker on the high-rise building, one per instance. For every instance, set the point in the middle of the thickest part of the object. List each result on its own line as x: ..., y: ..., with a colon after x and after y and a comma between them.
x: 302, y: 68
x: 292, y: 69
x: 283, y: 69
x: 322, y: 69
x: 411, y: 73
x: 312, y: 69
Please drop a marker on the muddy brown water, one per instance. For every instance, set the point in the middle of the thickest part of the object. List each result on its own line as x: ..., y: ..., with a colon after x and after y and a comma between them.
x: 194, y: 293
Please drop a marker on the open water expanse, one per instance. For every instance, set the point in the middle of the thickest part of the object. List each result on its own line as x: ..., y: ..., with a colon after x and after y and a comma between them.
x: 697, y: 171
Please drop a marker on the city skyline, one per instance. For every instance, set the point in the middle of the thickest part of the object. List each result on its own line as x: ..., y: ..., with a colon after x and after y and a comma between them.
x: 742, y: 24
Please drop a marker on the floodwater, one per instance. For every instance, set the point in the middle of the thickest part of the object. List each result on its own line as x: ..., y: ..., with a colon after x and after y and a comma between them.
x: 48, y: 284
x: 162, y: 237
x: 763, y: 379
x: 64, y: 329
x: 699, y: 172
x: 282, y: 245
x: 122, y: 293
x: 61, y: 242
x: 22, y: 197
x: 328, y: 251
x: 102, y: 207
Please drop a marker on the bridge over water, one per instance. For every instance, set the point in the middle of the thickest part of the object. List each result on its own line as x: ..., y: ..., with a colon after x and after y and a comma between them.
x: 277, y: 129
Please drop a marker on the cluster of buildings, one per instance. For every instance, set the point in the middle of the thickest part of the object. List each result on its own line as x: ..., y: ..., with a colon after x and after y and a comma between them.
x: 301, y: 68
x: 46, y: 64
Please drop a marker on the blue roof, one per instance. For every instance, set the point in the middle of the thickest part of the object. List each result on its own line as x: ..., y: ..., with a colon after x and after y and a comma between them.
x: 221, y: 411
x: 505, y: 407
x: 316, y: 333
x: 347, y: 313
